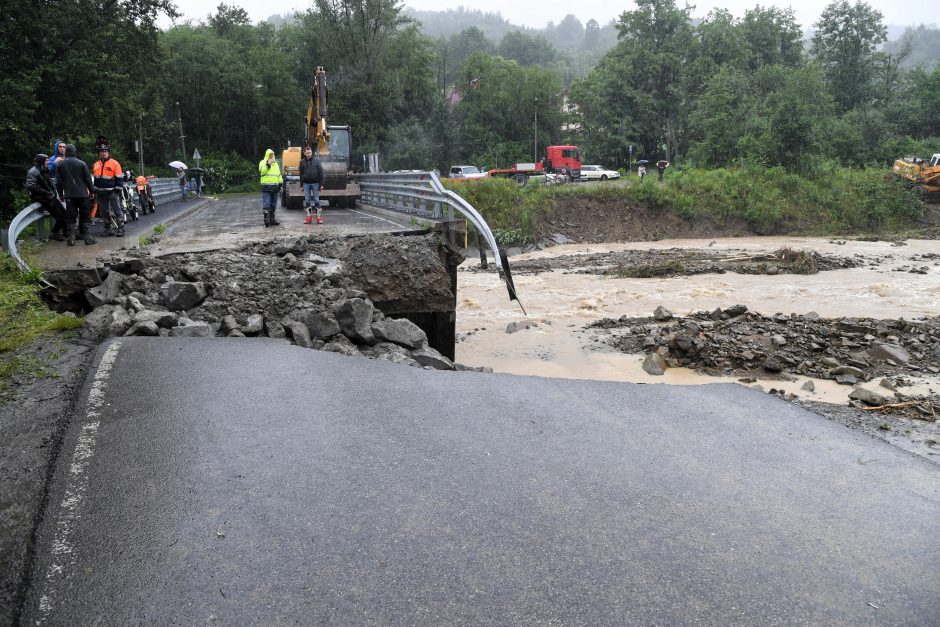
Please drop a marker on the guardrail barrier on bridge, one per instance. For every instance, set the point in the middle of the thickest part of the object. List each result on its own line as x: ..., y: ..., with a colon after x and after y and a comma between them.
x: 422, y: 194
x: 164, y: 191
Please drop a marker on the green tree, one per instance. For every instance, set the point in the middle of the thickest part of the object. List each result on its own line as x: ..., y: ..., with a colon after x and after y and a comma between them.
x: 844, y: 45
x: 525, y: 49
x: 773, y: 37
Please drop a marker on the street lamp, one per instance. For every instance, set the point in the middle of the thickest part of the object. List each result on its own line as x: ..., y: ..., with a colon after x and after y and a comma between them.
x: 182, y: 137
x: 535, y: 143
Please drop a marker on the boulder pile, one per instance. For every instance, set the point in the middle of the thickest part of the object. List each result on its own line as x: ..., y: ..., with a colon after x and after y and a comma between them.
x: 737, y: 342
x: 285, y: 290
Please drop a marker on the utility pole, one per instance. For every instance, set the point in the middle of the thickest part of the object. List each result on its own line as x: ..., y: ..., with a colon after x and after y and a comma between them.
x: 535, y: 144
x: 182, y: 137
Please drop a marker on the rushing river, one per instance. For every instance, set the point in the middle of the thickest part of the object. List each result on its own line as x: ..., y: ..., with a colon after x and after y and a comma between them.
x: 562, y: 304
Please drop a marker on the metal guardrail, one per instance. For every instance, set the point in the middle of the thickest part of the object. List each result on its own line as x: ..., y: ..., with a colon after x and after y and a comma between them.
x: 422, y: 194
x: 164, y: 190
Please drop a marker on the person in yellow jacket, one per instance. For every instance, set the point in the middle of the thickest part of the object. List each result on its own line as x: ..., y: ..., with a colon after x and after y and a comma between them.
x: 271, y: 182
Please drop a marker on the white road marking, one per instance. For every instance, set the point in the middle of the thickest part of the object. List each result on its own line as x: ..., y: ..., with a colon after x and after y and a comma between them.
x: 63, y: 552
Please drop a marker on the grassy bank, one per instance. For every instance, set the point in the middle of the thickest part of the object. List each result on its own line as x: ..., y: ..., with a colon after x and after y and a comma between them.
x: 832, y: 200
x: 23, y: 318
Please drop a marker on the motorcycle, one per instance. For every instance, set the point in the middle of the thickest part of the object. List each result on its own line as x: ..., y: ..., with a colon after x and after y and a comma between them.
x: 126, y: 199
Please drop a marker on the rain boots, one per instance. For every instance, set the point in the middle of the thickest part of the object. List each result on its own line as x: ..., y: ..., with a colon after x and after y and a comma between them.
x: 70, y: 235
x: 272, y: 220
x: 85, y: 235
x: 319, y: 215
x: 267, y: 221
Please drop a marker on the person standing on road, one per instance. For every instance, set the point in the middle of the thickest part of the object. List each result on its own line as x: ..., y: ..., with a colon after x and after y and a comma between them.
x: 58, y: 153
x: 108, y: 176
x: 41, y: 190
x: 75, y: 185
x: 311, y: 177
x: 271, y: 182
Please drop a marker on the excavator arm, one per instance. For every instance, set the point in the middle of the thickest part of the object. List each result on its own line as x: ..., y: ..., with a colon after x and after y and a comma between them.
x: 318, y: 133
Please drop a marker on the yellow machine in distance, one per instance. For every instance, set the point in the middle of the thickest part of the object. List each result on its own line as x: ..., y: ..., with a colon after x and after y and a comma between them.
x: 924, y: 174
x: 332, y: 144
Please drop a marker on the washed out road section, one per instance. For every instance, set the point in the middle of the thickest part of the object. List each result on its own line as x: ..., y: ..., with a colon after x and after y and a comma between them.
x: 312, y: 487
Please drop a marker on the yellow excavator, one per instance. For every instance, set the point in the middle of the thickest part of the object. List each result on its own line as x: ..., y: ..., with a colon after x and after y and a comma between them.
x: 924, y: 174
x: 332, y: 144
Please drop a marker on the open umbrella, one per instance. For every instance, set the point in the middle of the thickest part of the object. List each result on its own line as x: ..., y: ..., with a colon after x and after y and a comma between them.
x: 640, y: 162
x: 179, y: 165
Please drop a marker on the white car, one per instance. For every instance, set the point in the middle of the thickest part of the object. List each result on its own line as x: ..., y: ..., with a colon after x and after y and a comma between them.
x: 597, y: 173
x: 466, y: 172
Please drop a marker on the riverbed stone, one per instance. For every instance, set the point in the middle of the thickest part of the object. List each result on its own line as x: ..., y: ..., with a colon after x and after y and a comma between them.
x: 120, y: 322
x: 661, y: 314
x: 867, y: 396
x: 772, y: 364
x: 147, y: 328
x: 893, y: 352
x: 654, y: 364
x: 254, y: 325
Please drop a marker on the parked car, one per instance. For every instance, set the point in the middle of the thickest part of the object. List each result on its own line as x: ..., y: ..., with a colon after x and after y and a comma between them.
x: 466, y: 172
x: 597, y: 173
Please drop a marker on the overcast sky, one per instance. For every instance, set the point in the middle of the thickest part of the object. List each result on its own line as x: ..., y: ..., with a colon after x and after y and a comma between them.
x: 536, y: 13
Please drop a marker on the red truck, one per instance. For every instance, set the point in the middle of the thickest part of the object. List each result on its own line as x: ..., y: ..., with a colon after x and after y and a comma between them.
x: 561, y: 160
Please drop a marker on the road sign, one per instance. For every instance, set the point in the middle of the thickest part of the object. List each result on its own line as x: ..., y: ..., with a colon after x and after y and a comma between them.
x: 630, y: 149
x: 196, y: 155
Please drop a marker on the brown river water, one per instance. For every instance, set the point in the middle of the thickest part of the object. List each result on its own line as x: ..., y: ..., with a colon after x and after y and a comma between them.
x: 563, y: 304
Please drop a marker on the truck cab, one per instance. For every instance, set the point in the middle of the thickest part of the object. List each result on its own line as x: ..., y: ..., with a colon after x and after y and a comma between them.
x: 563, y: 160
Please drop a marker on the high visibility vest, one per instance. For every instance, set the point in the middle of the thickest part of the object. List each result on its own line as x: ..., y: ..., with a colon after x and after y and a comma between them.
x: 107, y: 173
x: 269, y: 175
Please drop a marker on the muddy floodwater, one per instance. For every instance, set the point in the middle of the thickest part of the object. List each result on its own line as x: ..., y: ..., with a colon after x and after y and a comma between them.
x: 892, y: 280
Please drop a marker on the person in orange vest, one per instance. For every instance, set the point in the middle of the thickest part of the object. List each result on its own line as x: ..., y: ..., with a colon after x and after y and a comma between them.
x: 108, y: 175
x: 145, y: 194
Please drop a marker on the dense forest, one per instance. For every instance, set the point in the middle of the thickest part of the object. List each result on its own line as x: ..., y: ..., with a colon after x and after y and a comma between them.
x: 716, y: 92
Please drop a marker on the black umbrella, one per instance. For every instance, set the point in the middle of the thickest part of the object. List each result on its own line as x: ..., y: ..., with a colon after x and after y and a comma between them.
x: 642, y: 162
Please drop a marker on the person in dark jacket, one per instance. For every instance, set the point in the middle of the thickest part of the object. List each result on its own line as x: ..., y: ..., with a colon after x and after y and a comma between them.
x: 311, y: 177
x: 75, y: 185
x: 39, y: 184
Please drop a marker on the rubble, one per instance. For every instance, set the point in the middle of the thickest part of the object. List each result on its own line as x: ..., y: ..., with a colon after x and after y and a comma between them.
x: 292, y: 290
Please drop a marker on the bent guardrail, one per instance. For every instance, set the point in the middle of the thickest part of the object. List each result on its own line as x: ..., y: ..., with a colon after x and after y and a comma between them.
x: 164, y: 190
x: 423, y: 194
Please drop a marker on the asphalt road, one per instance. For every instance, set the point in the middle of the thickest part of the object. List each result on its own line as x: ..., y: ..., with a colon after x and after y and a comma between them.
x: 252, y: 482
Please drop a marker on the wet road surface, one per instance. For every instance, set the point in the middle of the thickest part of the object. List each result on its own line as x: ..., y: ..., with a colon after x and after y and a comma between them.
x: 307, y: 487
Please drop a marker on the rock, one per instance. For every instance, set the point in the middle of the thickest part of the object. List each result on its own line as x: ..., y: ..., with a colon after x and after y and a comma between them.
x: 342, y: 345
x: 146, y: 328
x: 290, y: 259
x: 829, y: 362
x: 849, y: 370
x: 195, y: 329
x: 427, y: 356
x: 107, y: 292
x: 228, y: 324
x: 654, y: 364
x: 254, y: 325
x: 97, y: 322
x: 886, y: 383
x: 809, y: 386
x: 558, y: 238
x: 889, y: 351
x: 736, y: 310
x: 128, y: 265
x: 275, y: 329
x: 320, y: 324
x: 132, y: 302
x: 354, y: 293
x: 354, y: 317
x: 399, y: 331
x: 846, y: 379
x: 661, y: 314
x: 299, y: 333
x: 165, y: 319
x: 779, y: 340
x: 772, y: 364
x: 180, y: 295
x: 120, y: 322
x: 935, y: 349
x: 867, y: 396
x: 235, y: 333
x: 518, y: 325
